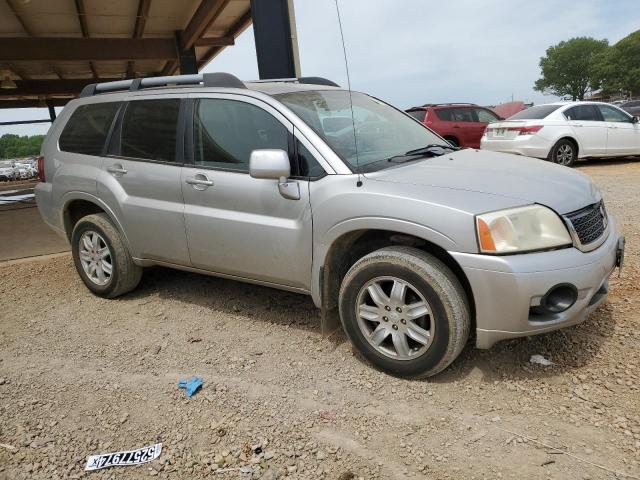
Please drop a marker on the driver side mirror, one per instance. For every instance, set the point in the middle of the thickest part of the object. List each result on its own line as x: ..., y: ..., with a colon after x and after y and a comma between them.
x: 635, y: 119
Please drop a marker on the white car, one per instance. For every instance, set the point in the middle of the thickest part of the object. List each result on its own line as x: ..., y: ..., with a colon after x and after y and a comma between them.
x: 565, y: 131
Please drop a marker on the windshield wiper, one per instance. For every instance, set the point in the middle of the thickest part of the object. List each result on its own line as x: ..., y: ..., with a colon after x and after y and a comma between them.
x: 418, y: 153
x: 429, y: 148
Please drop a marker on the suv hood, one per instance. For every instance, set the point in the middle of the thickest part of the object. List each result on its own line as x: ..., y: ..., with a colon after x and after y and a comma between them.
x: 527, y: 179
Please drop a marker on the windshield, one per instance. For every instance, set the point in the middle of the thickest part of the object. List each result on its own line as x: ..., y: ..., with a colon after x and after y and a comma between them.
x: 382, y: 132
x: 535, y: 113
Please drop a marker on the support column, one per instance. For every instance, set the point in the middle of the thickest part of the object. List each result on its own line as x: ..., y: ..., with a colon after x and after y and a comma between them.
x: 275, y: 37
x: 52, y: 111
x: 186, y: 58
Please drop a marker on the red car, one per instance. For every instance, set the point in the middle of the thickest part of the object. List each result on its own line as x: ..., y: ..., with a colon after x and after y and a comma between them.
x: 462, y: 124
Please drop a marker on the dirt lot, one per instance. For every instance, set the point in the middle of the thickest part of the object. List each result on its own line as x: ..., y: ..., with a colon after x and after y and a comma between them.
x: 81, y: 375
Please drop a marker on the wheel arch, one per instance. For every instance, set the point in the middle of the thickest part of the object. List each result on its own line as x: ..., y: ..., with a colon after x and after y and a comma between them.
x: 78, y: 205
x: 572, y: 140
x: 349, y: 247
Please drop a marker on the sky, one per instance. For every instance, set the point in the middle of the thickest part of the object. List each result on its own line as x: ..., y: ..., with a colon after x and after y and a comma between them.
x: 411, y: 52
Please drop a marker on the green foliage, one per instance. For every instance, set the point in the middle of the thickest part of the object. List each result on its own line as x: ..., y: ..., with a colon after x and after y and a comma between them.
x: 617, y: 69
x: 567, y: 67
x: 14, y: 146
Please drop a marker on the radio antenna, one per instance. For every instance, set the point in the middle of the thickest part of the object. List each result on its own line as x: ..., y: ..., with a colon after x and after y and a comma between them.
x: 353, y: 120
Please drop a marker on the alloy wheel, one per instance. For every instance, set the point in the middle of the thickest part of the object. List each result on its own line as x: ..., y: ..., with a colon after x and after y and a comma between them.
x: 395, y: 318
x: 564, y: 154
x: 95, y: 257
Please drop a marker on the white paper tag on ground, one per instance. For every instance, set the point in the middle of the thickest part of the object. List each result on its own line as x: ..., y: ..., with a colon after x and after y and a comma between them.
x: 121, y: 459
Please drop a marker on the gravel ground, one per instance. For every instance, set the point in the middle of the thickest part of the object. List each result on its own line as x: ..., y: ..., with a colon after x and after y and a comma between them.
x: 80, y: 375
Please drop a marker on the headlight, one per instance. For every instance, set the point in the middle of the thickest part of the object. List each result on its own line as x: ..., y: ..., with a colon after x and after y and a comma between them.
x: 521, y: 229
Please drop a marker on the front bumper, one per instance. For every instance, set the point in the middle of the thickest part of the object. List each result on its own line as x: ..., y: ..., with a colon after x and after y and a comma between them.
x: 506, y: 287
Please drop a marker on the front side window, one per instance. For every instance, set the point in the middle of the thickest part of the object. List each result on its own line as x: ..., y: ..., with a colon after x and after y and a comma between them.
x: 309, y: 166
x: 149, y: 130
x: 382, y: 132
x: 611, y: 114
x: 485, y: 116
x: 225, y: 132
x: 584, y: 113
x: 87, y: 129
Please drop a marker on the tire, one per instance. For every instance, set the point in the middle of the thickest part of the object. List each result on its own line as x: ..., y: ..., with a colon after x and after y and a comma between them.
x: 426, y: 279
x: 564, y: 152
x: 452, y: 141
x: 124, y: 275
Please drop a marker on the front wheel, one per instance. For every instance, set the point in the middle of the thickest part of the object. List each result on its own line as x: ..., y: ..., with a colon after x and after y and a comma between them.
x: 564, y: 152
x: 404, y: 311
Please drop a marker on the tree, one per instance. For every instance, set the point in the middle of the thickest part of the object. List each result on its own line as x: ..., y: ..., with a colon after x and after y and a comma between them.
x: 13, y: 146
x: 567, y: 68
x: 617, y: 69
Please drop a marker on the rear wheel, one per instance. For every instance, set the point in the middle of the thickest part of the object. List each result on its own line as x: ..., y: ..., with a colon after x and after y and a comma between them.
x: 564, y: 152
x: 404, y: 311
x: 102, y: 258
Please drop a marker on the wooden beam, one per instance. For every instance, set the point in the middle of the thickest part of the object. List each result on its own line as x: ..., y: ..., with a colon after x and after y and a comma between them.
x: 206, y: 14
x: 236, y: 29
x: 87, y: 49
x: 16, y: 70
x: 57, y: 71
x: 215, y: 42
x: 41, y: 88
x: 33, y: 102
x: 138, y: 29
x: 19, y: 17
x: 82, y: 18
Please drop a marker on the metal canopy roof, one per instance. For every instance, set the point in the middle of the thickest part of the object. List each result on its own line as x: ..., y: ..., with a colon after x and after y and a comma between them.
x: 51, y: 49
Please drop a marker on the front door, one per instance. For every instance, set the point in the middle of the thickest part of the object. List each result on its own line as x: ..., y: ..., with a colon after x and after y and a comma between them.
x: 238, y: 225
x: 623, y: 135
x: 141, y: 180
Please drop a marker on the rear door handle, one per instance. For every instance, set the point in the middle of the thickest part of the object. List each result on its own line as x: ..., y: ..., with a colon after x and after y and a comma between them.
x: 200, y: 181
x: 116, y: 169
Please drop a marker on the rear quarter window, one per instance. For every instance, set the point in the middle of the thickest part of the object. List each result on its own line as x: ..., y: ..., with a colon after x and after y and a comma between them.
x: 87, y: 129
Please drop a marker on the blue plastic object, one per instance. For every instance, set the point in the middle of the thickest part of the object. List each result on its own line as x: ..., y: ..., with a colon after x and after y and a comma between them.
x: 191, y: 386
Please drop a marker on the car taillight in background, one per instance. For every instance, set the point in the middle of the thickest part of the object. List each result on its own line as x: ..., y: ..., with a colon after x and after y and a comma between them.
x: 526, y: 130
x: 41, y: 168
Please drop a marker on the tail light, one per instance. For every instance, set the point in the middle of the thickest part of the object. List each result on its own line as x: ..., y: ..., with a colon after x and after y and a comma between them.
x: 41, y: 169
x: 526, y: 130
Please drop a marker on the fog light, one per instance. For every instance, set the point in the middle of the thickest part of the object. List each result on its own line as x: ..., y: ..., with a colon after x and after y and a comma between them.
x: 559, y: 298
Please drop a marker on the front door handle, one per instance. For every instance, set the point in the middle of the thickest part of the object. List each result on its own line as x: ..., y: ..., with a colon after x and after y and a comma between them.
x: 116, y: 169
x: 200, y: 181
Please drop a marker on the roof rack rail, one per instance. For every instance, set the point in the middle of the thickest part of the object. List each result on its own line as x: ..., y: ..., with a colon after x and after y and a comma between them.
x: 443, y: 104
x: 218, y: 79
x: 304, y: 80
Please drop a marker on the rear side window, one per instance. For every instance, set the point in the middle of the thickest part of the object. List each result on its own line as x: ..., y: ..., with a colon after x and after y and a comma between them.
x: 464, y: 115
x: 149, y: 130
x: 535, y: 113
x: 583, y: 112
x: 87, y: 129
x: 445, y: 114
x: 417, y: 114
x: 225, y: 132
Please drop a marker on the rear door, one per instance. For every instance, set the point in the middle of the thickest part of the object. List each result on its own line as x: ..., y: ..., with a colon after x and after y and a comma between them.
x: 468, y: 129
x: 141, y: 178
x: 238, y: 225
x: 623, y: 135
x: 589, y: 127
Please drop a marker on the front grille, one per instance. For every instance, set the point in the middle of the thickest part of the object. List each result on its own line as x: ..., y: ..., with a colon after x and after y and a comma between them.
x: 589, y: 223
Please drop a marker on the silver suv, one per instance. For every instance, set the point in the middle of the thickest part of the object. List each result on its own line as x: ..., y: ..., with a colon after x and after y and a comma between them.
x: 300, y: 185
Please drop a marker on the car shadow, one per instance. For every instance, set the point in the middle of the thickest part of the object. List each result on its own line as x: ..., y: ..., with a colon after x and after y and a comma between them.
x: 606, y: 162
x: 569, y: 349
